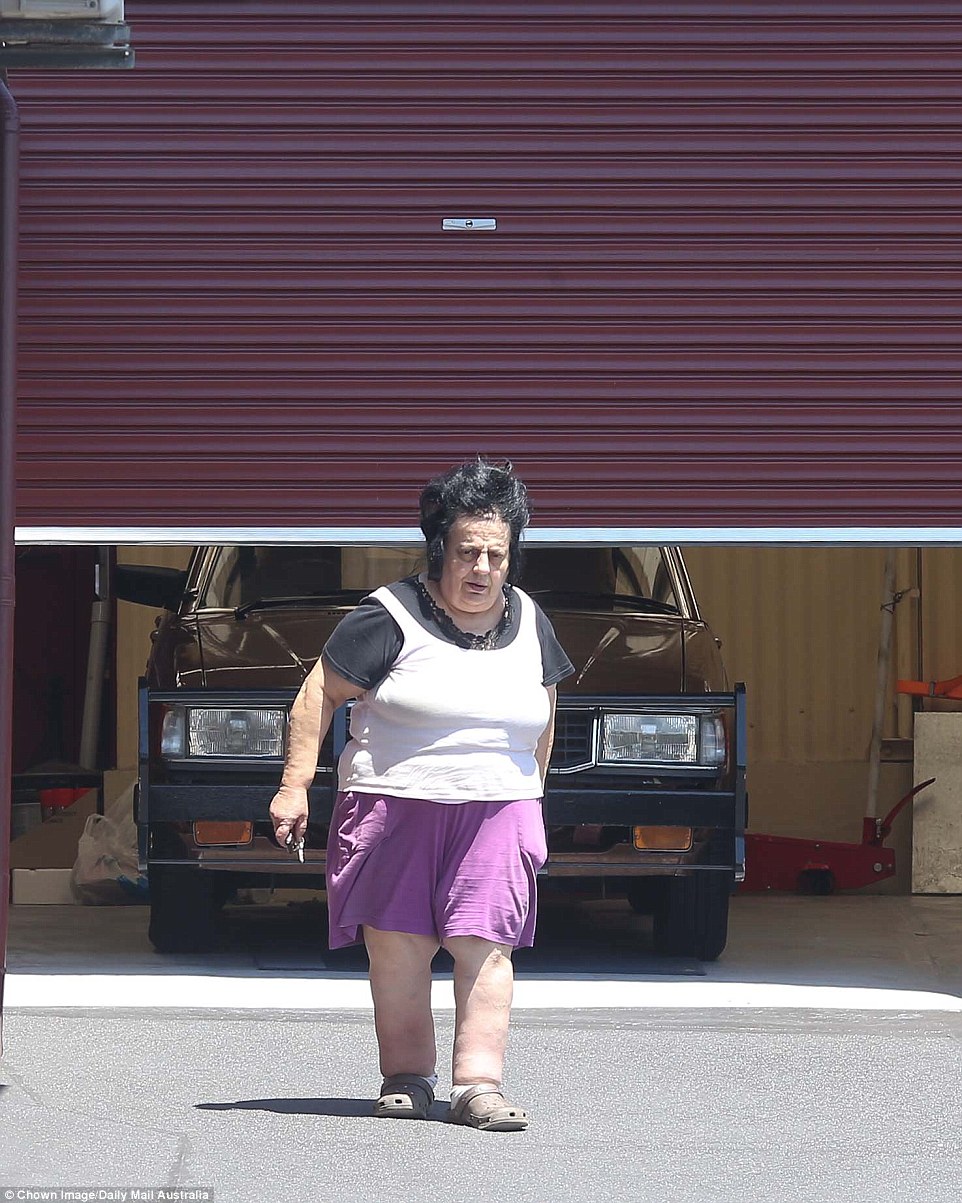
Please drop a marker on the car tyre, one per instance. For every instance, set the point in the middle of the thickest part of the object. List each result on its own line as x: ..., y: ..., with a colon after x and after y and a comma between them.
x: 643, y: 894
x: 691, y: 916
x: 185, y: 905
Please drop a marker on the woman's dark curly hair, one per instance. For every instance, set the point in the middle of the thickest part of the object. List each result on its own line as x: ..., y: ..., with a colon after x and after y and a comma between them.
x: 475, y: 489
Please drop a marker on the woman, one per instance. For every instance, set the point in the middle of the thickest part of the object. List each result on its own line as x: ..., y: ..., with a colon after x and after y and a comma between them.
x: 437, y: 833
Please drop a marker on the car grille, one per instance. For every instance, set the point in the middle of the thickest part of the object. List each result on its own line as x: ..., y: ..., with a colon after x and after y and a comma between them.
x: 572, y: 739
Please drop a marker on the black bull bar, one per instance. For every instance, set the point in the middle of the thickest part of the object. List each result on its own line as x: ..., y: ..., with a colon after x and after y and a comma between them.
x: 588, y: 796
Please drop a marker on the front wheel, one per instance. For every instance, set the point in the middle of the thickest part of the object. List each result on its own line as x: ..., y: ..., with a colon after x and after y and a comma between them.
x: 691, y: 917
x: 643, y: 894
x: 185, y: 905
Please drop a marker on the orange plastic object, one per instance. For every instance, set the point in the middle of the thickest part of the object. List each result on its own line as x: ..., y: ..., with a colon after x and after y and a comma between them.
x: 60, y: 799
x: 932, y: 689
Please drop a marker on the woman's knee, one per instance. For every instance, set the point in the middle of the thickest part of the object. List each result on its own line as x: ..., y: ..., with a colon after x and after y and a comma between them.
x: 399, y: 949
x: 476, y: 951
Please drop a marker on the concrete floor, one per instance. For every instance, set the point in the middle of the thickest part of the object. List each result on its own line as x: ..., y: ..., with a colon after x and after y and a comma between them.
x: 841, y: 952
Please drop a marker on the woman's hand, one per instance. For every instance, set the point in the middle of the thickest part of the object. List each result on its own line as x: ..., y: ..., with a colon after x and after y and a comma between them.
x: 289, y: 811
x: 320, y: 695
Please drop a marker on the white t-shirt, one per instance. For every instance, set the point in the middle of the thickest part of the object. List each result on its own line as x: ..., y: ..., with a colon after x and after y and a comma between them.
x: 447, y: 723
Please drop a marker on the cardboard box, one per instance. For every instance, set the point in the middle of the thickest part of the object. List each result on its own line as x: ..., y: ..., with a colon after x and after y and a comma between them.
x: 42, y: 858
x: 53, y: 845
x: 119, y: 792
x: 51, y: 887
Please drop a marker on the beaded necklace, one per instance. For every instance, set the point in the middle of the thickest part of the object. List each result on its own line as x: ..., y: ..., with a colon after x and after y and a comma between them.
x: 467, y: 639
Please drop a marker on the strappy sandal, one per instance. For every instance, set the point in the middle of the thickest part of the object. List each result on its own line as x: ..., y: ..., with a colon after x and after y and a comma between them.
x: 484, y: 1107
x: 404, y: 1096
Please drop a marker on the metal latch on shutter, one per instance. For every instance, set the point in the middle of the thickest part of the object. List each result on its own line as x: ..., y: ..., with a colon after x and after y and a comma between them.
x: 469, y: 224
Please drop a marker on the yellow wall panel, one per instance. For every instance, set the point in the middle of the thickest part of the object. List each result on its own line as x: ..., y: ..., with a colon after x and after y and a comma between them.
x: 134, y: 625
x: 800, y: 626
x: 942, y: 614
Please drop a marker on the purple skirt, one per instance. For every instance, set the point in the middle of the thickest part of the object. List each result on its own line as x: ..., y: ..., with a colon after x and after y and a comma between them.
x: 434, y: 869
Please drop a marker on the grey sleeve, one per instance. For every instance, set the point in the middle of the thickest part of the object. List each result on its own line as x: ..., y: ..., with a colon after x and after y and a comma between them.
x: 554, y: 660
x: 364, y: 644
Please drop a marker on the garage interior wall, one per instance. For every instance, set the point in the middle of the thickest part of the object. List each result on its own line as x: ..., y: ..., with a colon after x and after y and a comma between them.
x: 800, y: 626
x: 134, y: 625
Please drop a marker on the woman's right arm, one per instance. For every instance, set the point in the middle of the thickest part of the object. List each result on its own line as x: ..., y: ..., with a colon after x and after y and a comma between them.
x: 320, y: 695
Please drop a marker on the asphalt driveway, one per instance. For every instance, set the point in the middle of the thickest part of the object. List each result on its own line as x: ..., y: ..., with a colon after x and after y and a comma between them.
x: 819, y: 1059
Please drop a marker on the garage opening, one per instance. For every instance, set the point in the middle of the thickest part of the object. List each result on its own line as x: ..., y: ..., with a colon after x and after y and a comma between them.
x: 799, y: 625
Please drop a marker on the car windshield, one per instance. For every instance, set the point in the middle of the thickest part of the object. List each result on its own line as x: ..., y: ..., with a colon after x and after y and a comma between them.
x: 242, y: 575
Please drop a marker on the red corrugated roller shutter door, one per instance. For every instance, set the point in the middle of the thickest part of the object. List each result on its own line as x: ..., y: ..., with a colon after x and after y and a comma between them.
x: 723, y: 287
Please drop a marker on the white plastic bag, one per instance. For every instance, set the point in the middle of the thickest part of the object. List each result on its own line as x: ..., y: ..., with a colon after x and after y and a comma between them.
x: 105, y: 872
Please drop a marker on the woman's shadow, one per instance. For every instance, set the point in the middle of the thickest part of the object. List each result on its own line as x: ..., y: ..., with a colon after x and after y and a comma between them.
x: 343, y: 1108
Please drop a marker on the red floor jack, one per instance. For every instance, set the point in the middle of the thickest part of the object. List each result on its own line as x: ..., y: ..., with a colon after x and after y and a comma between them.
x: 779, y: 862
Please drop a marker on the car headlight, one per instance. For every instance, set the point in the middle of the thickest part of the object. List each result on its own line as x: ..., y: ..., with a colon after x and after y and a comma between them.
x: 202, y: 731
x: 682, y: 739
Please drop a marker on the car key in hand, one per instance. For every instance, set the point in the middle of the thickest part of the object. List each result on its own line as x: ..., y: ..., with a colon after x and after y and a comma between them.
x: 293, y: 846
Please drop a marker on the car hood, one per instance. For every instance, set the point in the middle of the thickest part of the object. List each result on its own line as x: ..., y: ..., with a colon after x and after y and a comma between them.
x: 620, y: 653
x: 267, y: 649
x: 276, y: 649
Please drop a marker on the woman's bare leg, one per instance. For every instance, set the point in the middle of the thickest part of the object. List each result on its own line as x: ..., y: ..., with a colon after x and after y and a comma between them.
x: 483, y: 988
x: 401, y: 986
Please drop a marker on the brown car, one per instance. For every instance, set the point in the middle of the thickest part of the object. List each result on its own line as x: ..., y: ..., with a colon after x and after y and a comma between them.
x: 646, y: 788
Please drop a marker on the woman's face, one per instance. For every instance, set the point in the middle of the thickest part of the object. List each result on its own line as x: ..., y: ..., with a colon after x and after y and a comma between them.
x: 475, y: 564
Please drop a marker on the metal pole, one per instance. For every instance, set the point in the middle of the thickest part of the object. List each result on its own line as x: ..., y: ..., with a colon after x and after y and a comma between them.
x: 881, y: 683
x: 96, y: 664
x: 9, y: 172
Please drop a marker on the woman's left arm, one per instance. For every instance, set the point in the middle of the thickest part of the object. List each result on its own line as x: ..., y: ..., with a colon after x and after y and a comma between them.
x: 542, y: 752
